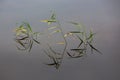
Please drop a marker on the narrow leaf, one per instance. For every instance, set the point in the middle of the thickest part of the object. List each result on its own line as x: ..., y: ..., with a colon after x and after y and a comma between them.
x: 22, y: 38
x: 52, y: 27
x: 76, y: 49
x: 28, y: 26
x: 53, y: 16
x: 74, y: 23
x: 91, y: 36
x: 80, y: 44
x: 75, y: 32
x: 21, y: 26
x: 51, y: 64
x: 94, y: 48
x: 68, y: 34
x: 69, y: 54
x: 74, y: 56
x: 18, y: 41
x: 60, y: 43
x: 31, y: 44
x: 55, y: 31
x: 81, y: 41
x: 36, y: 41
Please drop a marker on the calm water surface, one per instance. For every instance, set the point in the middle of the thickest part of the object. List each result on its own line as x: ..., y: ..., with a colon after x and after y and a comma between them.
x: 102, y: 15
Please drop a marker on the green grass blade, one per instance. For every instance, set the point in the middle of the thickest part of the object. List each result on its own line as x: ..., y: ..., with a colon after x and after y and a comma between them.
x: 21, y: 26
x: 79, y: 25
x: 75, y: 32
x: 61, y: 43
x: 56, y: 31
x: 55, y: 63
x: 31, y: 44
x: 23, y: 38
x: 74, y: 23
x: 80, y: 44
x: 76, y: 49
x: 36, y: 41
x: 69, y: 54
x: 18, y: 41
x: 53, y: 16
x: 94, y: 48
x: 28, y: 26
x: 74, y: 56
x: 80, y: 51
x: 91, y: 35
x: 51, y: 64
x: 81, y: 41
x: 79, y: 38
x: 52, y: 27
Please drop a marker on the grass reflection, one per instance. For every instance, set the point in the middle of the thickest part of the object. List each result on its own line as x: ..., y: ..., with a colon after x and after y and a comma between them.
x: 25, y: 38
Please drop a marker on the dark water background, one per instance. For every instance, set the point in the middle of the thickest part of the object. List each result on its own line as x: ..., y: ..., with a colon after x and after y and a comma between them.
x: 102, y: 15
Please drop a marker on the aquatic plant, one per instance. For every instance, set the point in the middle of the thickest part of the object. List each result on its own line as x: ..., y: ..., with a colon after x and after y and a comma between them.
x: 25, y: 37
x: 56, y: 61
x: 85, y: 40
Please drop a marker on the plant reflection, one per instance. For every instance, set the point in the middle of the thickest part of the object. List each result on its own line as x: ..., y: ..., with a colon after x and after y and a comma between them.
x: 25, y: 38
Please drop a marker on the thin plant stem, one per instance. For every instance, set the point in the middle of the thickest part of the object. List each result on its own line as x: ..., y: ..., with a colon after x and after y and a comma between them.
x: 62, y: 56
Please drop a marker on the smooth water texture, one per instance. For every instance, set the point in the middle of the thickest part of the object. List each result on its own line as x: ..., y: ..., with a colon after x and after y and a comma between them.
x: 102, y: 15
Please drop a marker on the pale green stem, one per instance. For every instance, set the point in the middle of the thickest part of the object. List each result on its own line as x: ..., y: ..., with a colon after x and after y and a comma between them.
x: 59, y: 25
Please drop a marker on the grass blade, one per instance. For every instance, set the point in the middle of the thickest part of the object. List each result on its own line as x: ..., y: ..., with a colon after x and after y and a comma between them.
x: 74, y: 56
x: 77, y: 49
x: 94, y: 48
x: 31, y: 44
x: 75, y: 32
x: 18, y: 41
x: 28, y: 26
x: 77, y: 24
x: 91, y: 35
x: 21, y: 26
x: 60, y: 43
x: 69, y: 54
x: 53, y: 16
x: 80, y: 51
x: 23, y: 38
x: 36, y: 41
x: 57, y: 31
x: 52, y: 27
x: 81, y: 41
x: 68, y: 34
x: 51, y: 64
x: 74, y: 23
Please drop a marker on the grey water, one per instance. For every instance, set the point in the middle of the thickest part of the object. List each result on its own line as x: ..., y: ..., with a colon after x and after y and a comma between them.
x: 103, y: 16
